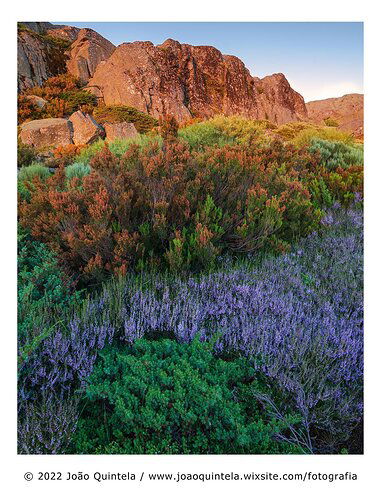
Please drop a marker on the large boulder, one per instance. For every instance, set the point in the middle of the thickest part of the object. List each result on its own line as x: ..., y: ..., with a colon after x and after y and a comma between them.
x: 123, y: 130
x: 86, y: 52
x: 85, y: 129
x: 46, y: 133
x: 187, y: 81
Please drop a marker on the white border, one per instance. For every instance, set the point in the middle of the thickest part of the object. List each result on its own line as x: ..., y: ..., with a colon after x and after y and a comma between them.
x: 15, y: 466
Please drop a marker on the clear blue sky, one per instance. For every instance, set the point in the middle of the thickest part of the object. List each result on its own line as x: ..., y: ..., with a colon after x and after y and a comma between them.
x: 319, y: 59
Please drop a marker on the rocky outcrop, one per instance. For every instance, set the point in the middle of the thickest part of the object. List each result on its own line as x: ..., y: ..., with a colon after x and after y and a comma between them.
x: 187, y: 81
x: 38, y: 59
x: 67, y: 33
x: 46, y: 133
x: 86, y: 52
x: 85, y: 129
x: 347, y: 111
x: 122, y: 130
x: 40, y: 55
x: 278, y: 102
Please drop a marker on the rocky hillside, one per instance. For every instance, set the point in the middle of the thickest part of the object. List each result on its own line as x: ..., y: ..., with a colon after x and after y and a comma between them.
x: 174, y: 78
x: 46, y: 50
x: 187, y: 81
x: 346, y: 112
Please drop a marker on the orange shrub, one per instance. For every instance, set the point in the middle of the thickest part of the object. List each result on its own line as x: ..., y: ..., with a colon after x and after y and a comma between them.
x: 164, y: 204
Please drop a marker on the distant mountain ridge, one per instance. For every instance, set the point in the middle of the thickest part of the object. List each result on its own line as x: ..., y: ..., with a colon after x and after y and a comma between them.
x: 346, y: 111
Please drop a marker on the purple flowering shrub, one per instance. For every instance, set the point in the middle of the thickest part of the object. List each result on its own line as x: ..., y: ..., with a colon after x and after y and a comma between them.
x: 50, y: 376
x: 298, y: 318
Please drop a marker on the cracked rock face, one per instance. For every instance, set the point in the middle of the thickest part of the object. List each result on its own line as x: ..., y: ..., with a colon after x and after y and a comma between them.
x: 86, y: 52
x: 186, y: 81
x: 39, y: 58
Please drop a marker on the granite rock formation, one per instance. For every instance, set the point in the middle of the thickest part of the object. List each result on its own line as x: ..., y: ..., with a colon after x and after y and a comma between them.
x: 187, y: 81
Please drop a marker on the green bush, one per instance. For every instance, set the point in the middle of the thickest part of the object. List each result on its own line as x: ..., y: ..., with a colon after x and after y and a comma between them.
x: 162, y: 397
x: 78, y: 170
x: 306, y: 136
x: 337, y: 154
x: 222, y: 130
x: 27, y: 174
x: 25, y: 155
x: 117, y: 114
x: 30, y: 172
x: 44, y: 292
x: 77, y: 98
x: 118, y: 147
x: 204, y: 134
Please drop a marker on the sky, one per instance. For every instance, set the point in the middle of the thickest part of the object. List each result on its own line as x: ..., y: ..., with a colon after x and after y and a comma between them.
x: 320, y: 60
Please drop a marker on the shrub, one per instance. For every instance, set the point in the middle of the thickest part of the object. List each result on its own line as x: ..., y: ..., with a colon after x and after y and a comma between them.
x: 161, y: 204
x: 117, y: 147
x: 116, y: 114
x: 345, y: 183
x: 306, y: 136
x: 63, y: 94
x: 27, y: 110
x: 64, y: 155
x: 337, y: 154
x: 32, y: 171
x: 26, y: 175
x: 43, y: 287
x: 77, y: 99
x: 55, y: 86
x: 25, y: 154
x: 289, y: 131
x: 78, y: 170
x: 222, y: 130
x: 164, y: 397
x: 299, y: 317
x: 168, y: 127
x: 330, y: 122
x: 203, y: 134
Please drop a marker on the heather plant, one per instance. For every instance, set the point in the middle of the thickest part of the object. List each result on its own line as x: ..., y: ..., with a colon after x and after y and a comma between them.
x: 163, y: 204
x: 165, y: 397
x: 47, y: 426
x: 298, y: 317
